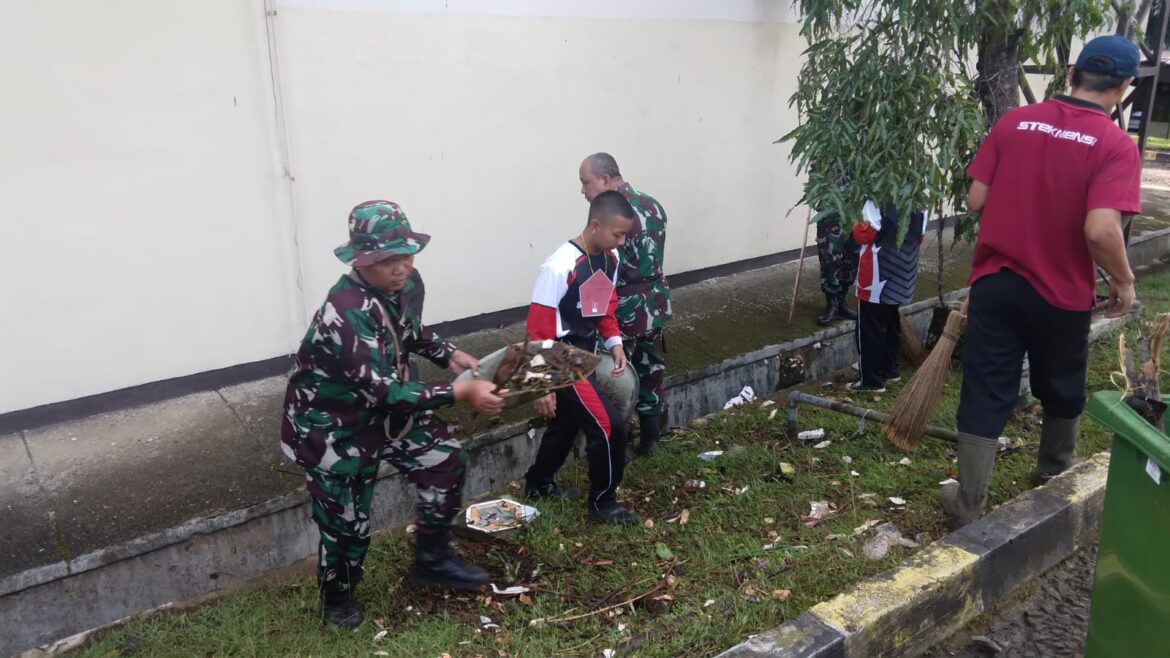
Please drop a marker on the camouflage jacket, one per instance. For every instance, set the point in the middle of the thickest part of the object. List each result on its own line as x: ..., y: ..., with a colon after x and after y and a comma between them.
x: 349, y: 387
x: 643, y: 292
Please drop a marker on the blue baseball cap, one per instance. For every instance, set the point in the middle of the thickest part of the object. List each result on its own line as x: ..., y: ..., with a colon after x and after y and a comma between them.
x: 1110, y: 55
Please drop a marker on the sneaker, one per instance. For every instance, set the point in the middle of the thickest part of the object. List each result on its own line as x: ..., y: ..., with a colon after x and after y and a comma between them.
x: 551, y: 490
x: 858, y: 387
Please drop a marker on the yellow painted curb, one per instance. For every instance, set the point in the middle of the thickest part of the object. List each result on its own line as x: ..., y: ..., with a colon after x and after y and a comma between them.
x: 910, y: 608
x: 1084, y: 480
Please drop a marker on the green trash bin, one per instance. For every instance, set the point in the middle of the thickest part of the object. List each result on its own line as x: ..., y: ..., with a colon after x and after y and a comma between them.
x: 1130, y: 611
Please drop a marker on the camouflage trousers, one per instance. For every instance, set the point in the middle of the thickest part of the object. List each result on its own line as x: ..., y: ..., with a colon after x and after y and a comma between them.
x: 647, y: 355
x: 427, y: 454
x: 838, y: 255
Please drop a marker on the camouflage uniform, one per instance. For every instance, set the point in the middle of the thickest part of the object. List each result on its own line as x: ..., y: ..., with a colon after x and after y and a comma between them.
x: 350, y: 404
x: 837, y: 253
x: 644, y: 299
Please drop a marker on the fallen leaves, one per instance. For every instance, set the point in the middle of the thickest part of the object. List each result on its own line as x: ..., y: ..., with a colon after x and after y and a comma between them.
x: 819, y: 511
x: 865, y: 527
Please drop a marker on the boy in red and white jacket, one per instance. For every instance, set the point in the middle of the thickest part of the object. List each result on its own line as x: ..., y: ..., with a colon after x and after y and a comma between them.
x: 574, y: 300
x: 887, y: 273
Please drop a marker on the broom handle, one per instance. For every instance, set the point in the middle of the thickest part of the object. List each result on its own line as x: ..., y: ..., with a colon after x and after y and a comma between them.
x: 797, y: 397
x: 799, y: 268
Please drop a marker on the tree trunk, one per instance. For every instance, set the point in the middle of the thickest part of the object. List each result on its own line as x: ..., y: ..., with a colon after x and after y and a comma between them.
x: 998, y: 64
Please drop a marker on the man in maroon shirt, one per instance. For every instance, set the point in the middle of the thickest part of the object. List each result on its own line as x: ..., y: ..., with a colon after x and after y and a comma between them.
x: 1052, y: 180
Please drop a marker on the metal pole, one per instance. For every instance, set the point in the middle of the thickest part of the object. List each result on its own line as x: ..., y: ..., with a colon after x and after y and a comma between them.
x: 1145, y: 129
x: 797, y: 397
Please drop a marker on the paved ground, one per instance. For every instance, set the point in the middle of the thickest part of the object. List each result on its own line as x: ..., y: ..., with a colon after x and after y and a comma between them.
x: 1048, y: 618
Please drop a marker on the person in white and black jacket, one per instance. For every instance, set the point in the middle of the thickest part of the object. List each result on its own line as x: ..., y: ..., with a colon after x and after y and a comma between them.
x: 887, y: 273
x: 575, y: 301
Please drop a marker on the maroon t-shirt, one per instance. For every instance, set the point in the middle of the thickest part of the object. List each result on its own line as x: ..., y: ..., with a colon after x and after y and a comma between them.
x: 1047, y: 165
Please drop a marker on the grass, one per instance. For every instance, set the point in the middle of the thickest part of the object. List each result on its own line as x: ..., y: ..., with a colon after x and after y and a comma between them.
x: 1158, y: 143
x: 731, y: 561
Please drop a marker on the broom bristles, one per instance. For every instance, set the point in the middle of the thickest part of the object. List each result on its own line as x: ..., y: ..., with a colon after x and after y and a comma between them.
x: 916, y: 404
x: 912, y: 348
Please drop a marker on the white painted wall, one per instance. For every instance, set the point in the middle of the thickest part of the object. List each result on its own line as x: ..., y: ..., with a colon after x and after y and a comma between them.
x: 476, y: 125
x: 139, y: 230
x: 146, y: 227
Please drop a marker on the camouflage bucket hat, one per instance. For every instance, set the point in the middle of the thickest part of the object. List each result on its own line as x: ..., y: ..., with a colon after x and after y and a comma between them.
x: 377, y: 231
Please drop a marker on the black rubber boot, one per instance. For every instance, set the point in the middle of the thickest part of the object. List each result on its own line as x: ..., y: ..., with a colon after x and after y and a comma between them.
x: 610, y: 513
x: 340, y: 609
x: 843, y: 309
x: 1058, y: 440
x: 651, y: 427
x: 436, y: 564
x: 964, y: 501
x: 832, y: 306
x: 551, y: 490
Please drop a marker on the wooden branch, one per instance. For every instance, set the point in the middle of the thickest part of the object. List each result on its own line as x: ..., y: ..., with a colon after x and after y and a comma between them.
x: 1127, y: 366
x: 1143, y: 383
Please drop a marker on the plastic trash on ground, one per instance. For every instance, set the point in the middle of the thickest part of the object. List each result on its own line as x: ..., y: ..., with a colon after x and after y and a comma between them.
x: 887, y: 536
x: 499, y: 515
x: 745, y: 396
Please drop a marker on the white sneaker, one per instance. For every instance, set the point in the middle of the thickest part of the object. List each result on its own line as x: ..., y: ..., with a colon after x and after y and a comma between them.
x: 857, y: 387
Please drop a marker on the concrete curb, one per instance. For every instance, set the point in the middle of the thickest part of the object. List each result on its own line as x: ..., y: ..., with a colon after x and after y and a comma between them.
x: 912, y: 607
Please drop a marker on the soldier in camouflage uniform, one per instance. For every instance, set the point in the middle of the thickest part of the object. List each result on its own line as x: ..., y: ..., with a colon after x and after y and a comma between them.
x: 350, y: 404
x: 837, y: 253
x: 643, y: 292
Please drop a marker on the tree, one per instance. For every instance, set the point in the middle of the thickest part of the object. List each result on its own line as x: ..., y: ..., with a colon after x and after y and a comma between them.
x: 889, y: 106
